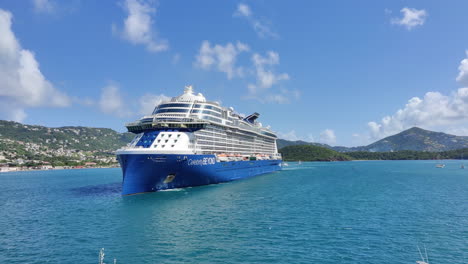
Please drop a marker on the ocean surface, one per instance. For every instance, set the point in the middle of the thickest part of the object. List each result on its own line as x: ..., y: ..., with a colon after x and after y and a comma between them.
x: 338, y: 212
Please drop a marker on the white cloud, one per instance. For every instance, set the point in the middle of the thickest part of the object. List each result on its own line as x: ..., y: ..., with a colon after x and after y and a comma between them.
x: 411, y: 18
x: 260, y: 27
x: 291, y: 135
x: 149, y: 101
x: 43, y: 6
x: 222, y: 58
x: 137, y: 26
x: 459, y: 131
x: 433, y: 111
x: 327, y: 137
x: 243, y: 10
x: 11, y: 111
x: 284, y: 96
x: 265, y: 75
x: 463, y: 71
x: 277, y: 98
x: 112, y: 102
x: 22, y: 84
x: 263, y: 68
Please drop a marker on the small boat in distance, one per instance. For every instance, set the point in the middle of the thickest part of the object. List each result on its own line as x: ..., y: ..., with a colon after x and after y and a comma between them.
x: 440, y: 166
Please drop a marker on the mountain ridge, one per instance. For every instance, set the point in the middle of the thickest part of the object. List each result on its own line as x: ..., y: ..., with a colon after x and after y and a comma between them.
x: 414, y: 139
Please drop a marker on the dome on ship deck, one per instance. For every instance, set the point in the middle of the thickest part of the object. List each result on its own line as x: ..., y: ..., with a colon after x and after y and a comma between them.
x: 189, y: 96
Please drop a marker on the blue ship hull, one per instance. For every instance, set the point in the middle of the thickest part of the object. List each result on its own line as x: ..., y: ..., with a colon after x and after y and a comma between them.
x: 153, y: 172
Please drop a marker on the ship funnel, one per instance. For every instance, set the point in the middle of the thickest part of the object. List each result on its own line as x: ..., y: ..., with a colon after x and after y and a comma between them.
x: 251, y: 118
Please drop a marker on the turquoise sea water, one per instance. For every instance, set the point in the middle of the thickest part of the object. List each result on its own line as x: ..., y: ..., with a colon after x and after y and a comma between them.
x: 343, y: 212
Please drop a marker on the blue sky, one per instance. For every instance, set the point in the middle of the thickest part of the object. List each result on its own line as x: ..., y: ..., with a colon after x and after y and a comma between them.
x: 338, y: 72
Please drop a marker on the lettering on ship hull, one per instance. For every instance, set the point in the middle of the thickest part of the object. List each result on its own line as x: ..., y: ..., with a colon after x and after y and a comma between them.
x: 201, y: 162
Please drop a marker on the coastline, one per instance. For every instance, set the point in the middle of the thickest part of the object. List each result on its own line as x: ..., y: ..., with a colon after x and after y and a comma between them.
x: 439, y: 160
x: 18, y: 169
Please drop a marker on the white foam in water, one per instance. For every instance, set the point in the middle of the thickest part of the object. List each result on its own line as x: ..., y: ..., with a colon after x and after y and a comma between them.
x: 298, y: 168
x: 172, y: 190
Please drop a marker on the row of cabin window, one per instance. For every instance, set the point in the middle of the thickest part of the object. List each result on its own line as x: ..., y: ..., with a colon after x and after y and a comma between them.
x: 215, y: 108
x: 207, y: 112
x: 175, y: 110
x: 211, y: 118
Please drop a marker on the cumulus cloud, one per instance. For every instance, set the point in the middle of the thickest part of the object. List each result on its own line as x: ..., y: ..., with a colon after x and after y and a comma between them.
x: 137, y: 26
x: 459, y: 131
x: 221, y: 58
x: 463, y: 71
x: 112, y: 102
x: 43, y: 6
x: 149, y: 101
x: 260, y: 27
x: 22, y: 84
x: 291, y: 135
x: 327, y: 137
x: 224, y: 58
x: 243, y: 10
x: 411, y: 18
x: 265, y: 75
x: 284, y: 96
x: 434, y: 110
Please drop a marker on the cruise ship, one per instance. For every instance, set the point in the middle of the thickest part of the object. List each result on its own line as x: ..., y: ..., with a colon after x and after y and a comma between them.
x: 189, y: 141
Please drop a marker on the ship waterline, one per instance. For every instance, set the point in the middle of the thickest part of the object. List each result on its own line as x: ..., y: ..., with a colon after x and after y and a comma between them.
x: 191, y: 142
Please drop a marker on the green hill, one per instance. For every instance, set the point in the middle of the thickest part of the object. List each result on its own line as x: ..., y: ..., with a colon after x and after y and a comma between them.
x: 79, y: 138
x: 311, y: 153
x: 33, y: 143
x: 419, y: 140
x: 281, y: 143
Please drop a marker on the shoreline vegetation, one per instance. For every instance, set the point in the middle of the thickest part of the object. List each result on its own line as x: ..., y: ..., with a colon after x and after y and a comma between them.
x: 316, y: 153
x: 49, y: 167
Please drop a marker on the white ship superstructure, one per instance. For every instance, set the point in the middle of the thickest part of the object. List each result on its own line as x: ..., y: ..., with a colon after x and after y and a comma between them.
x: 192, y: 125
